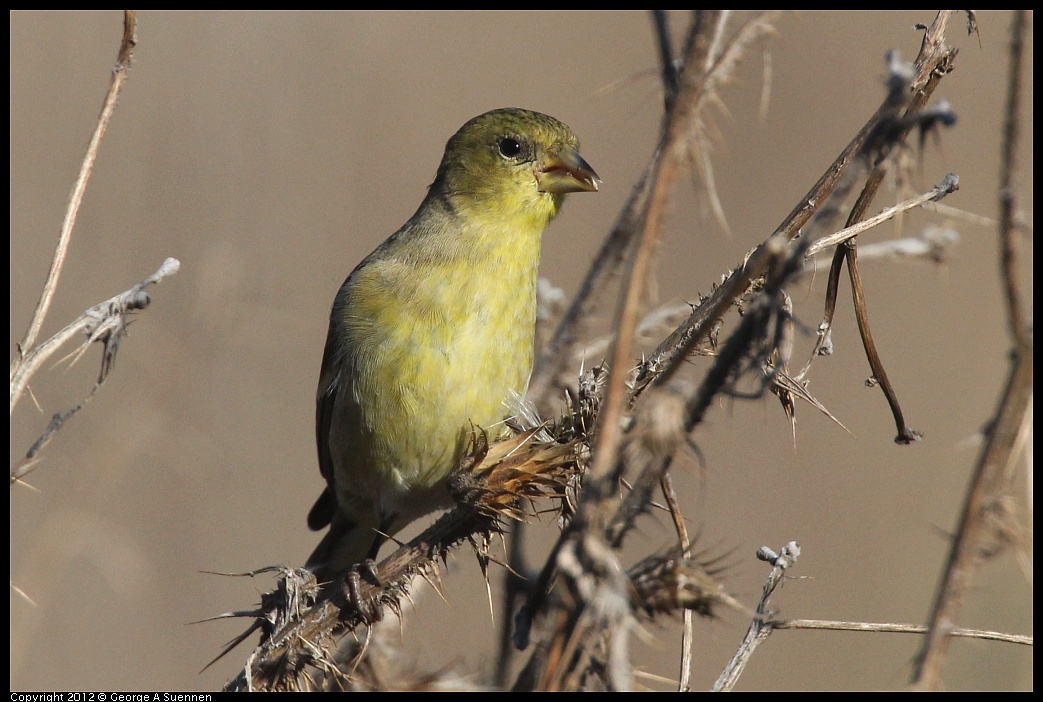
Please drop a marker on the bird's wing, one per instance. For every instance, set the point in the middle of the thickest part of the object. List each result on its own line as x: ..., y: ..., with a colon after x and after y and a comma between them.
x: 329, y: 385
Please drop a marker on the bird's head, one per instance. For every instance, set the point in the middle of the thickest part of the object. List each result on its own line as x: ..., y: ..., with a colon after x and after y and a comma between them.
x: 511, y: 161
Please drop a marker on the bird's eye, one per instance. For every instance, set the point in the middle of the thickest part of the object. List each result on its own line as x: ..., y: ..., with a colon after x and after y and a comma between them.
x: 509, y: 147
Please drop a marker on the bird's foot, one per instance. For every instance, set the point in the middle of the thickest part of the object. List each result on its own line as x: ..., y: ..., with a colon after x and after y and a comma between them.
x: 368, y: 608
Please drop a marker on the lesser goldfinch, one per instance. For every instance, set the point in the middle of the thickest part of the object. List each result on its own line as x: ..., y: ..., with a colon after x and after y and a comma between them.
x: 433, y: 331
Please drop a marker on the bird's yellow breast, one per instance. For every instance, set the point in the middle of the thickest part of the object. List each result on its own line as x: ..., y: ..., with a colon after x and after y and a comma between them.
x: 434, y: 347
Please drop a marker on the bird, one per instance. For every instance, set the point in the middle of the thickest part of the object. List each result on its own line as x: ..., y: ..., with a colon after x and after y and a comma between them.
x: 434, y: 330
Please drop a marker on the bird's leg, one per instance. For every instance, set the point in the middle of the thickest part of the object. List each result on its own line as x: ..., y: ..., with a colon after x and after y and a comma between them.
x: 370, y: 610
x: 378, y: 541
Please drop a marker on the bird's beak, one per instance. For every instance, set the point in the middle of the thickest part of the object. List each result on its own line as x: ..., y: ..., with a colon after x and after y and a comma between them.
x: 566, y: 172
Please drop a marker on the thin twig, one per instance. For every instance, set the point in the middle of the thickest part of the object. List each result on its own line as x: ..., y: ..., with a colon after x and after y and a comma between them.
x: 949, y: 184
x: 895, y: 628
x: 906, y: 434
x: 671, y: 84
x: 1009, y: 274
x: 667, y: 484
x: 933, y: 244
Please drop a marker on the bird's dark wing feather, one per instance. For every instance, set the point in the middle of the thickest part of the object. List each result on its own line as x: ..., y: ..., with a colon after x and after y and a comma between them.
x: 321, y: 513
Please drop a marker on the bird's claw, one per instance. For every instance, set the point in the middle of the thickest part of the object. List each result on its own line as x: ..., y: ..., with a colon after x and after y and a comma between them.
x: 369, y: 609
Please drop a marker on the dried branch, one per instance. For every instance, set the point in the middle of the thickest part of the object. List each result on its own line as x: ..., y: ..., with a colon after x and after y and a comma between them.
x: 583, y: 563
x: 1009, y: 215
x: 1008, y: 431
x: 933, y: 244
x: 950, y: 184
x: 933, y: 62
x: 582, y: 605
x: 895, y: 628
x: 491, y: 483
x: 610, y: 256
x: 779, y: 262
x: 898, y: 121
x: 119, y: 77
x: 670, y: 495
x: 106, y: 323
x: 702, y: 73
x: 760, y: 627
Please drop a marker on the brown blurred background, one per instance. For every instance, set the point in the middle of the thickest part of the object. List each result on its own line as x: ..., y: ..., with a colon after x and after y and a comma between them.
x: 271, y: 152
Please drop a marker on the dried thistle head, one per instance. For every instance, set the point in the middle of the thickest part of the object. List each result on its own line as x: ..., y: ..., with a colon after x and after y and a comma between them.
x: 669, y: 582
